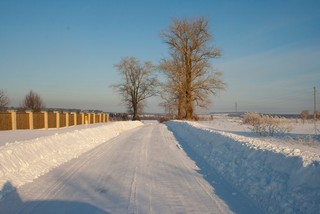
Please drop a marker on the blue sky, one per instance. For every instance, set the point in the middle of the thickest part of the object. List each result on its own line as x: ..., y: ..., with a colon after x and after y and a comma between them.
x: 66, y: 50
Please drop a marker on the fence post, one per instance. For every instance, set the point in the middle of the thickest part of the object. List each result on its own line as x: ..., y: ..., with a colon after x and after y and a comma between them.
x: 45, y: 118
x: 75, y: 122
x: 89, y: 118
x: 100, y: 117
x: 67, y: 119
x: 82, y: 118
x: 57, y: 119
x: 94, y: 118
x: 13, y: 119
x: 30, y: 119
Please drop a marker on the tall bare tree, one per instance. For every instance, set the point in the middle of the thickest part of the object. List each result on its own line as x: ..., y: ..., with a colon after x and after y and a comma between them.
x: 138, y: 84
x: 4, y: 100
x: 189, y: 41
x: 33, y: 102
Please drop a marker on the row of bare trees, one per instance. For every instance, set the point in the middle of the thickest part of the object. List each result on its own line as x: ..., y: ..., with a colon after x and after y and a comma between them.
x: 189, y: 76
x: 4, y: 101
x: 32, y: 101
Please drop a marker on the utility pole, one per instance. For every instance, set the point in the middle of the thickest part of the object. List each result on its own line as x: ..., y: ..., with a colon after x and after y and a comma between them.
x: 314, y: 104
x: 236, y: 107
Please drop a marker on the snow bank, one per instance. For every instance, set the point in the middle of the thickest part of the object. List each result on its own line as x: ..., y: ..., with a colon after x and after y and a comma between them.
x: 279, y: 179
x: 23, y: 161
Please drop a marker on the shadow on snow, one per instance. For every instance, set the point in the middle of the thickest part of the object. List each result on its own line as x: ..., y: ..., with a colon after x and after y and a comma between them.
x: 14, y: 204
x: 236, y: 201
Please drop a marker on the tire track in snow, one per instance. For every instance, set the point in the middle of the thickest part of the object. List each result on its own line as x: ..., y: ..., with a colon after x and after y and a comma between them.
x: 133, y: 194
x: 55, y: 188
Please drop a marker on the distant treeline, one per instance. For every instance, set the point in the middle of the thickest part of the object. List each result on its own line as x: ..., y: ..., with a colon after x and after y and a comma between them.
x: 126, y: 116
x: 241, y: 114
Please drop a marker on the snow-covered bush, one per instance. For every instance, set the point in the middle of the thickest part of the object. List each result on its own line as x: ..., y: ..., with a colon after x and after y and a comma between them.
x: 266, y: 125
x: 316, y: 132
x: 251, y: 118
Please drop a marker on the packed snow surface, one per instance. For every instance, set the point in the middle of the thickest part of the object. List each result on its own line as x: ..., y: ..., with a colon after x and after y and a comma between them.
x: 278, y: 175
x: 140, y: 171
x: 23, y: 161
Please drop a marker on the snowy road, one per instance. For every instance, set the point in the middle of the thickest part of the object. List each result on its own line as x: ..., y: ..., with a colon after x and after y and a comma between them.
x: 141, y: 171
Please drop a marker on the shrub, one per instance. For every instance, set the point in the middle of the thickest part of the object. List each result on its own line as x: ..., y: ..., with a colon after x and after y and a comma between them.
x: 163, y: 119
x: 305, y: 115
x: 265, y: 125
x: 315, y: 115
x: 251, y: 118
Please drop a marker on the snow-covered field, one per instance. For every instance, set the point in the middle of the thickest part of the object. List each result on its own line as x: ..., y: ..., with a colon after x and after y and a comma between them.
x: 148, y: 171
x: 280, y: 175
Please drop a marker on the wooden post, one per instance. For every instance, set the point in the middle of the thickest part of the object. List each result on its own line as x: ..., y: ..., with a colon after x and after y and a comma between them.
x: 57, y: 119
x: 107, y: 117
x: 89, y: 118
x: 13, y: 119
x: 94, y: 118
x: 30, y: 119
x: 45, y: 118
x: 75, y: 118
x: 67, y: 119
x: 100, y: 117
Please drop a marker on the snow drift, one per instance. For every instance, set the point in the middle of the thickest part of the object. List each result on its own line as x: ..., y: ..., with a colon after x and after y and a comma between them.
x: 279, y: 179
x: 23, y: 161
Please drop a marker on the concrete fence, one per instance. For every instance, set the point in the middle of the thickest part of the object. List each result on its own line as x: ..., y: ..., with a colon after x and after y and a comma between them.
x: 13, y: 120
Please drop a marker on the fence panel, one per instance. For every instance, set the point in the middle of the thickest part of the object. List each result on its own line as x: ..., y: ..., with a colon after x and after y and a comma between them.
x: 5, y: 121
x: 71, y: 119
x: 91, y: 118
x: 38, y: 120
x: 79, y: 119
x: 22, y: 120
x: 62, y: 120
x: 97, y: 116
x: 52, y: 120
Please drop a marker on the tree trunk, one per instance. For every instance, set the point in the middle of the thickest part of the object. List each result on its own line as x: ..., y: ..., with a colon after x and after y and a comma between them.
x: 188, y: 107
x: 135, y: 111
x: 180, y: 99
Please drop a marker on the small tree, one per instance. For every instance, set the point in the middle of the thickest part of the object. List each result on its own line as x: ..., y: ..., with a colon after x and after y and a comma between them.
x: 33, y: 102
x: 138, y: 84
x: 4, y: 101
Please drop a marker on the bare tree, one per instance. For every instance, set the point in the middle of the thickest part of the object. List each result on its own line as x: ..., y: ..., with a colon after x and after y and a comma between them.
x: 188, y: 41
x: 4, y: 101
x: 33, y: 102
x: 138, y: 84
